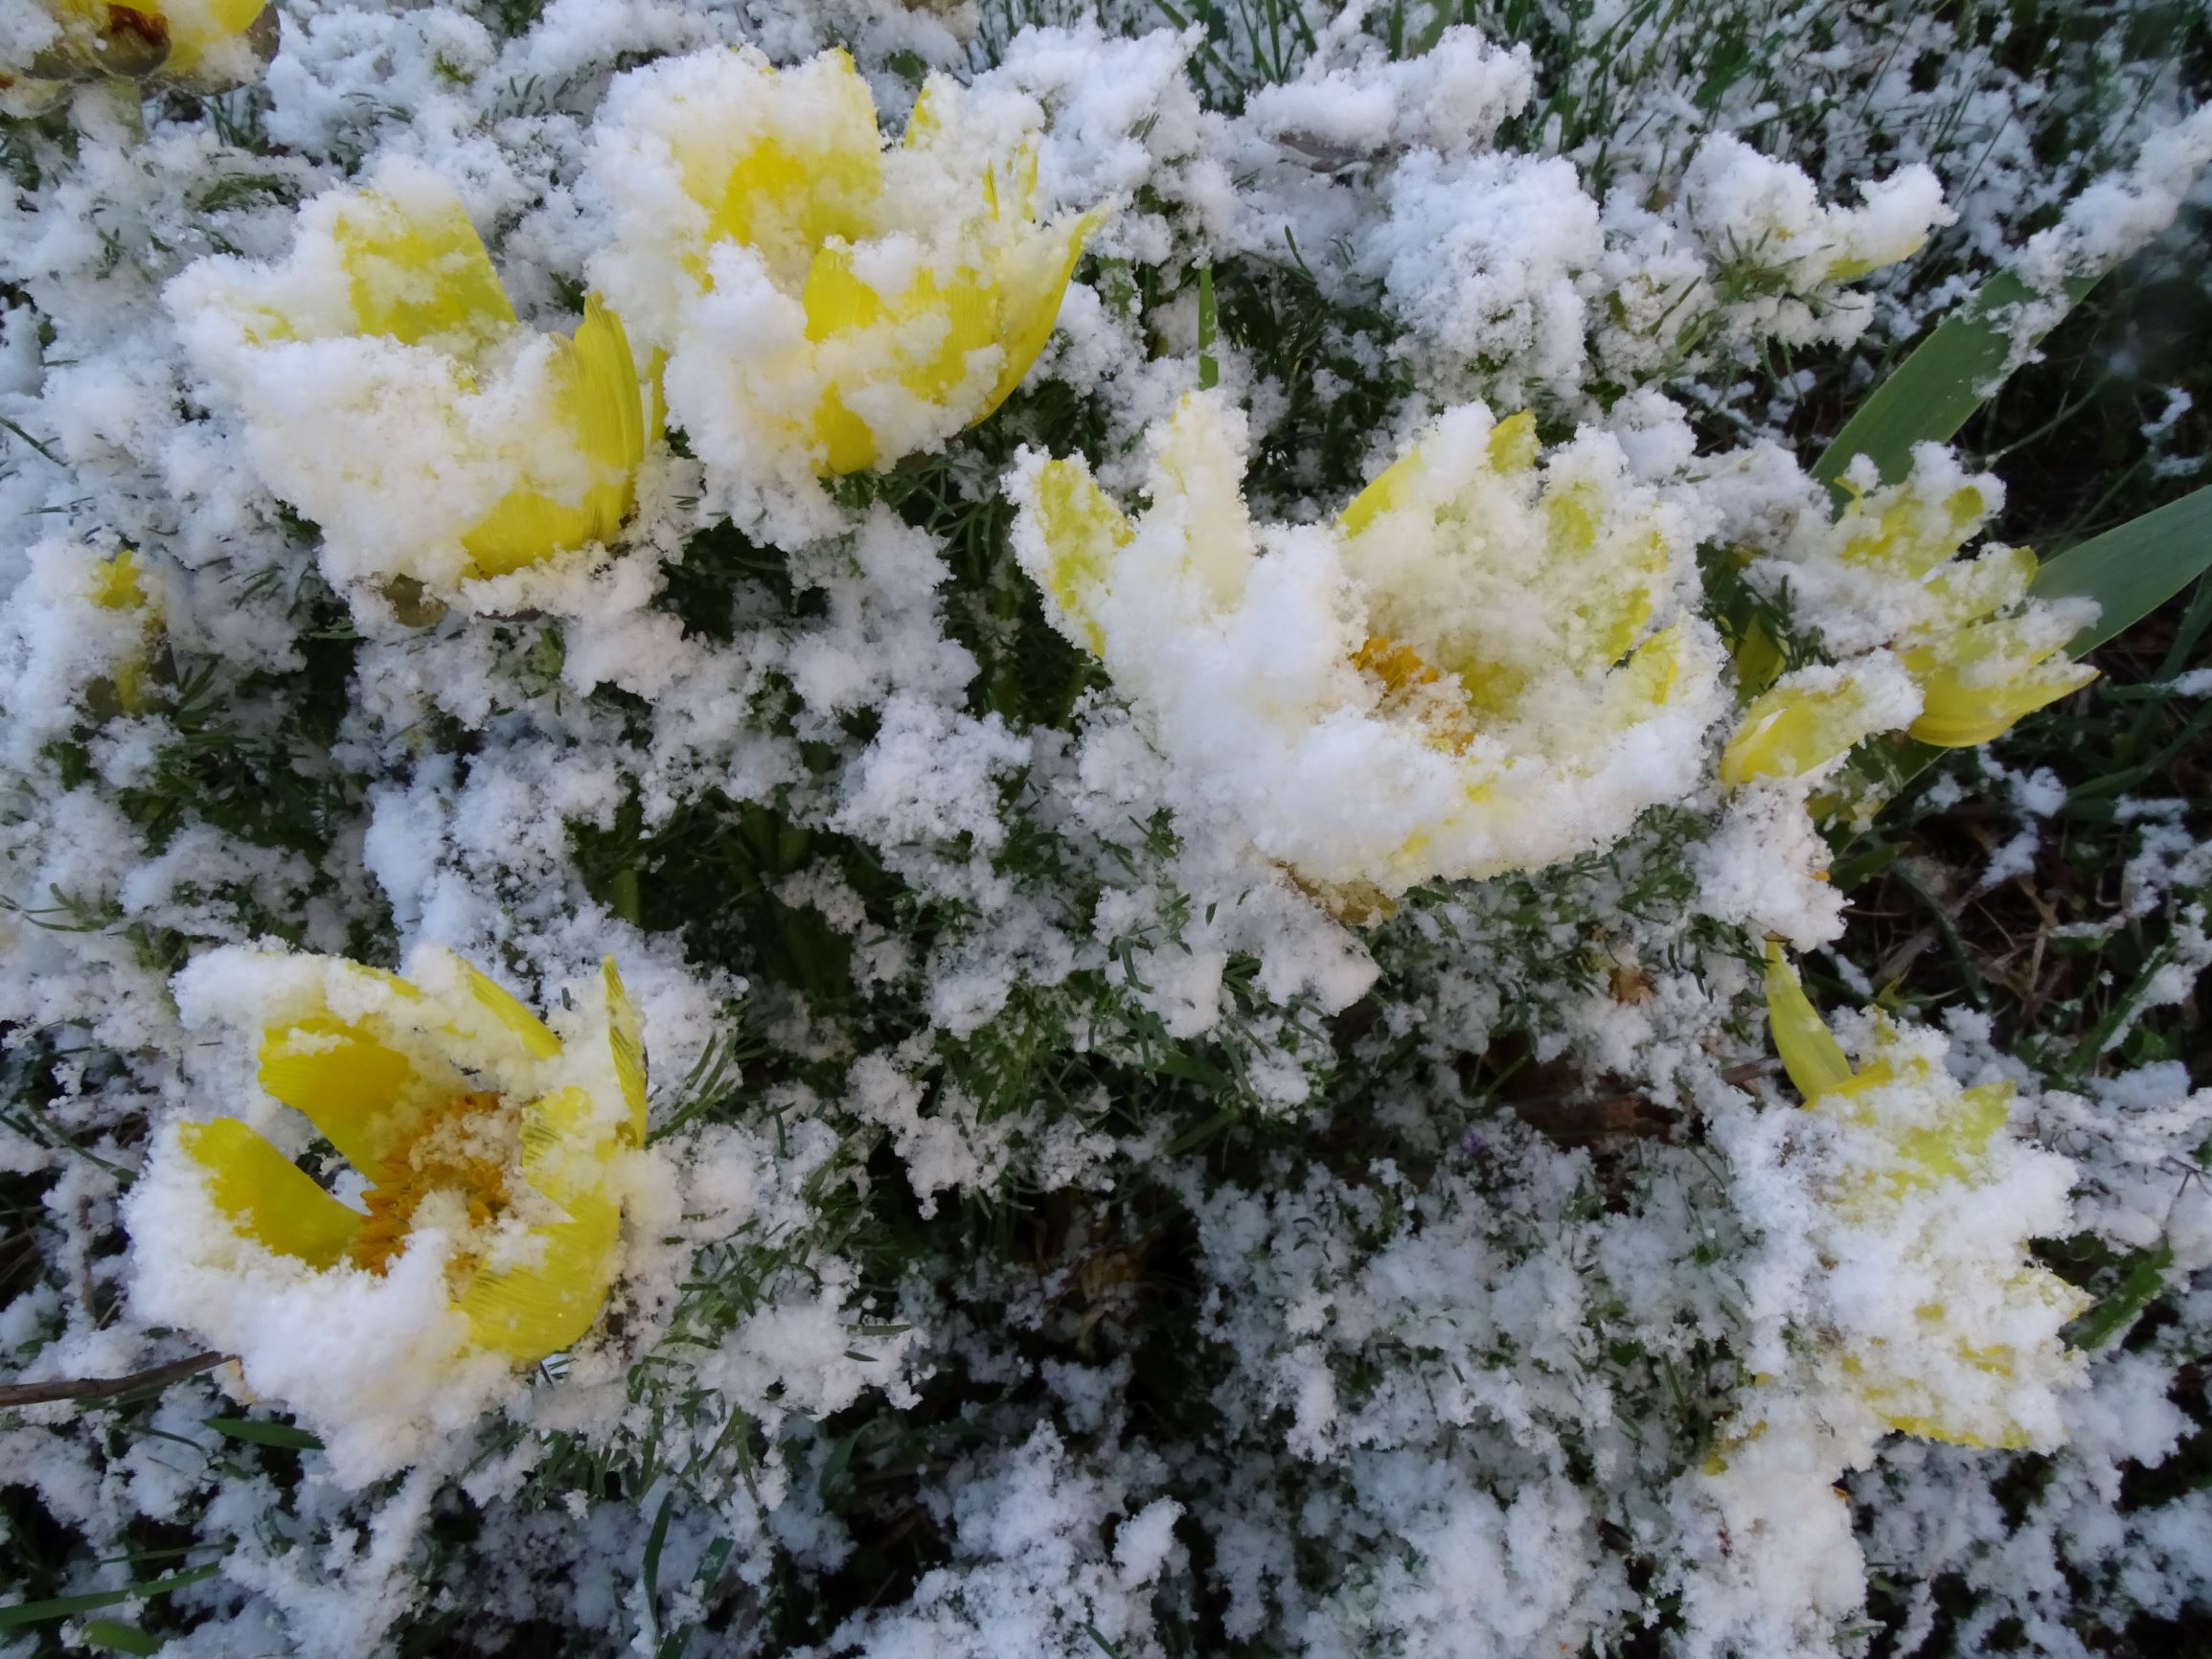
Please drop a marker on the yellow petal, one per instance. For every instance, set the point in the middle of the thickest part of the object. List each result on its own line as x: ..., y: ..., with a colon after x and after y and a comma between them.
x: 596, y: 384
x: 607, y: 413
x: 1623, y: 596
x: 1032, y: 281
x: 627, y: 1038
x: 564, y: 1146
x: 922, y: 127
x: 848, y: 442
x: 1980, y: 680
x: 420, y: 276
x: 270, y: 1198
x: 196, y: 27
x: 1083, y: 530
x: 1386, y: 494
x: 1655, y: 668
x: 527, y: 528
x: 1512, y: 443
x: 835, y: 298
x: 529, y: 1313
x: 1810, y: 1052
x: 1970, y: 590
x: 362, y: 1096
x: 115, y: 584
x: 1911, y: 535
x: 1790, y: 730
x: 816, y: 175
x: 969, y: 307
x: 534, y: 1034
x: 1851, y: 270
x: 1758, y: 658
x: 1948, y: 1150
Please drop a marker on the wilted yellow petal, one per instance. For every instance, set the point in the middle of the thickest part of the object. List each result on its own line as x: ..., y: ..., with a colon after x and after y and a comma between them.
x: 1809, y: 1050
x: 270, y: 1198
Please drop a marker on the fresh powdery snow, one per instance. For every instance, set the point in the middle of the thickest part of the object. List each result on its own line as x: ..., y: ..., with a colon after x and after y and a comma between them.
x: 993, y: 829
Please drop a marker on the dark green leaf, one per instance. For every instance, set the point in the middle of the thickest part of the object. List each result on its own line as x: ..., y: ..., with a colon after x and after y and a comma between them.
x: 2131, y: 571
x: 1929, y: 396
x: 257, y: 1433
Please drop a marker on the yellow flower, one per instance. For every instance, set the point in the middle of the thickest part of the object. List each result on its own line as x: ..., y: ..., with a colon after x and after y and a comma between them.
x: 391, y: 396
x: 1921, y: 1203
x: 1483, y: 666
x: 199, y: 45
x: 822, y: 300
x: 1978, y: 652
x: 462, y: 1112
x: 118, y: 586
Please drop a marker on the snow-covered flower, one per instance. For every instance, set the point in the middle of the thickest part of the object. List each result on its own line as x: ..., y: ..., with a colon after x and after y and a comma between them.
x: 1942, y: 1324
x: 390, y: 394
x: 1485, y: 665
x: 828, y: 306
x: 1951, y: 651
x: 199, y: 45
x: 117, y: 585
x: 478, y: 1219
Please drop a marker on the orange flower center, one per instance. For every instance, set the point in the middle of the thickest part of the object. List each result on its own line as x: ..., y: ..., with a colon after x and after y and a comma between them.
x: 1415, y: 689
x: 453, y: 1150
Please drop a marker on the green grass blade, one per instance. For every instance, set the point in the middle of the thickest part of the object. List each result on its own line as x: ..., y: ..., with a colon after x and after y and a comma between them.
x: 2134, y: 569
x: 2121, y: 1308
x: 256, y: 1432
x: 62, y: 1607
x: 110, y: 1636
x: 1209, y: 369
x: 1929, y: 396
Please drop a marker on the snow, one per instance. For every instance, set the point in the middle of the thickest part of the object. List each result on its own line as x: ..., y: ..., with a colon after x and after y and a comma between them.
x: 1226, y: 979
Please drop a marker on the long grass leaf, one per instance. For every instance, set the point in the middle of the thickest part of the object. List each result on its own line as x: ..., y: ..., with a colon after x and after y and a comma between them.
x: 2132, y: 570
x: 1931, y: 394
x: 62, y: 1607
